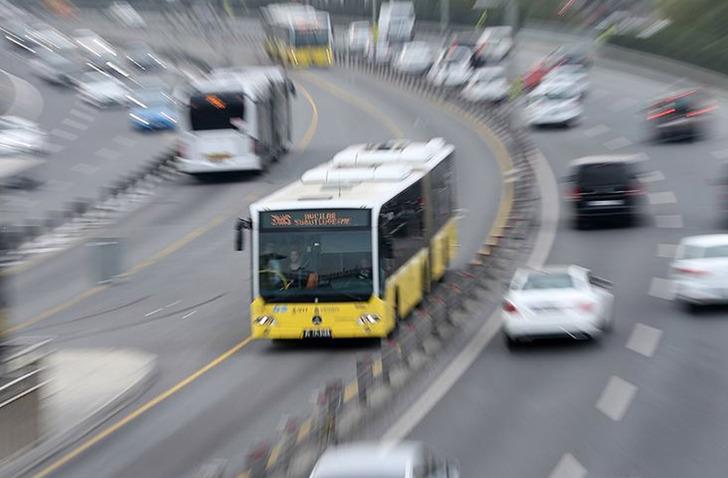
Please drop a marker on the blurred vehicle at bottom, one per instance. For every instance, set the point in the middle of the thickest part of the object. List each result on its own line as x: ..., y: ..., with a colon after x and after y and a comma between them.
x: 681, y: 115
x: 383, y: 460
x: 601, y: 187
x: 700, y: 270
x: 487, y: 84
x: 414, y: 57
x: 19, y: 135
x: 557, y: 301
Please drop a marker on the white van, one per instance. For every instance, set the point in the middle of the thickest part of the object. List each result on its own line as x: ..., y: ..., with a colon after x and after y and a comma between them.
x: 236, y: 121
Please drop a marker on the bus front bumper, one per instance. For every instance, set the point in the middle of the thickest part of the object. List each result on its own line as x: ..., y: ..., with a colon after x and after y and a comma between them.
x: 247, y: 162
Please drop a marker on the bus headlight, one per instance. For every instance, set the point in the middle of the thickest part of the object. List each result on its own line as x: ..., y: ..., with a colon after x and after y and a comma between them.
x: 265, y: 320
x: 368, y: 319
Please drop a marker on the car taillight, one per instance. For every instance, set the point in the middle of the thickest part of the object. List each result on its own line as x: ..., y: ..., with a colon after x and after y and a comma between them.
x: 586, y: 306
x: 660, y: 114
x: 701, y: 111
x: 691, y: 271
x: 575, y: 193
x: 181, y: 150
x: 509, y: 307
x: 634, y: 190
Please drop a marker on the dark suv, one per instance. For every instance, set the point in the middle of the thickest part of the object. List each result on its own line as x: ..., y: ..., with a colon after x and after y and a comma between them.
x: 604, y: 187
x: 680, y: 115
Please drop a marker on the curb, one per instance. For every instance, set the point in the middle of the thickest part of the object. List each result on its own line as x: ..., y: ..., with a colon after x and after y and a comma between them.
x: 7, y: 92
x: 26, y: 461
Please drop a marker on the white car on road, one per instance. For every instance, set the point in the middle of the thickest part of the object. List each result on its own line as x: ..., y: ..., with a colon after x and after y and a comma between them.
x: 487, y: 84
x: 19, y: 135
x: 575, y: 75
x: 452, y: 68
x: 699, y: 271
x: 102, y: 90
x: 359, y: 38
x: 557, y: 301
x: 383, y: 460
x: 553, y: 103
x: 415, y: 57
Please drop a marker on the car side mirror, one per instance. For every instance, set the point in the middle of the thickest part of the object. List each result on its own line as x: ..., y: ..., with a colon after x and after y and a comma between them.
x: 600, y: 282
x: 240, y: 225
x: 291, y: 88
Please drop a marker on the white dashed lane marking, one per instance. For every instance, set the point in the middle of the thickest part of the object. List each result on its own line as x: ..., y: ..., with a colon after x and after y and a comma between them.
x: 106, y: 153
x: 652, y: 177
x: 644, y: 339
x: 124, y: 141
x: 596, y: 131
x: 662, y: 288
x: 568, y: 467
x: 665, y: 197
x: 669, y: 221
x: 84, y: 115
x: 666, y: 251
x: 74, y: 124
x: 63, y: 134
x: 616, y: 398
x: 617, y: 143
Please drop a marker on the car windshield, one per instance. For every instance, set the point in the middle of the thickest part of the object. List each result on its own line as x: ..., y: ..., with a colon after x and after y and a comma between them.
x: 541, y: 281
x: 700, y: 252
x: 311, y: 37
x: 601, y: 174
x: 309, y: 256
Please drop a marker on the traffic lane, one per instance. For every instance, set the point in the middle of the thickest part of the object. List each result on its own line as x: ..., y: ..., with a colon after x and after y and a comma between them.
x: 178, y: 209
x: 478, y: 178
x: 311, y: 365
x: 216, y: 268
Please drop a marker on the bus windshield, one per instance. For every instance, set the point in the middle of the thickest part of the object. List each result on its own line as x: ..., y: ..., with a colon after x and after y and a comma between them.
x: 308, y: 256
x: 215, y: 111
x: 303, y: 38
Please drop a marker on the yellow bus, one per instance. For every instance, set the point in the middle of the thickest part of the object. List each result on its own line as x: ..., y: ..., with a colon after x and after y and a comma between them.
x: 297, y: 35
x: 355, y: 244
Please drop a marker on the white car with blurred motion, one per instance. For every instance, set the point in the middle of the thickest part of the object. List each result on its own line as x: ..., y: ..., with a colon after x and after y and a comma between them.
x: 574, y: 75
x: 487, y: 84
x: 557, y: 301
x: 102, y: 90
x: 452, y: 68
x: 415, y: 58
x: 553, y: 103
x: 699, y: 271
x: 383, y: 460
x: 21, y: 136
x: 359, y: 38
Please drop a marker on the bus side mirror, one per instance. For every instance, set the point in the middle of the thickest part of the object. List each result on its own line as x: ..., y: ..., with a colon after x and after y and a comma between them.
x: 387, y: 247
x: 240, y: 225
x: 292, y: 88
x: 452, y: 470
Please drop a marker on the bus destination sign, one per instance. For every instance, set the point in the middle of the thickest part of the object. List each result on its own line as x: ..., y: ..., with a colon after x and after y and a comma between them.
x: 310, y: 218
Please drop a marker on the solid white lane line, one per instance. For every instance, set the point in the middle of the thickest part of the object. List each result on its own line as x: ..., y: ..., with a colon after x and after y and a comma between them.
x: 652, y: 177
x: 149, y: 314
x: 460, y: 364
x: 669, y: 221
x: 617, y: 143
x: 172, y: 304
x: 190, y: 314
x: 63, y: 134
x: 596, y: 131
x: 722, y: 154
x: 644, y: 339
x: 124, y: 141
x: 662, y: 288
x: 664, y: 197
x: 84, y: 168
x: 666, y: 251
x: 74, y: 124
x: 616, y: 398
x: 568, y: 467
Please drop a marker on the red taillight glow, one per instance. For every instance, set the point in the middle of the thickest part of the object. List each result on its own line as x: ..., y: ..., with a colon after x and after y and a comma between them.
x: 661, y: 114
x: 574, y: 194
x: 634, y: 190
x: 691, y: 271
x: 702, y: 111
x: 181, y: 150
x: 509, y: 307
x: 586, y: 306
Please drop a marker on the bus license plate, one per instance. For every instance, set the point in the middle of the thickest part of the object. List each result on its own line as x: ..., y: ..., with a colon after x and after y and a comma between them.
x: 317, y: 333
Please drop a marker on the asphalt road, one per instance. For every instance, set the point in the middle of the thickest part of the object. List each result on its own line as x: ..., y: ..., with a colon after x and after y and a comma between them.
x: 646, y: 401
x: 188, y: 303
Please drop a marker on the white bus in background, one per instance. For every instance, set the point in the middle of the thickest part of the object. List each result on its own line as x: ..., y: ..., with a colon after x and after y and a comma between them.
x: 396, y: 22
x: 236, y: 120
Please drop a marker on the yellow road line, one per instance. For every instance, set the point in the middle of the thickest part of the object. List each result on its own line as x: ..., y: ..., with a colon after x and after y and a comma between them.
x: 313, y: 125
x: 350, y: 391
x: 358, y: 102
x: 274, y: 454
x: 377, y: 367
x: 305, y: 430
x: 140, y: 411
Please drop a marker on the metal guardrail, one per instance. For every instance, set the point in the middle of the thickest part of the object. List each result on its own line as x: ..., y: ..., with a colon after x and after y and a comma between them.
x: 342, y: 407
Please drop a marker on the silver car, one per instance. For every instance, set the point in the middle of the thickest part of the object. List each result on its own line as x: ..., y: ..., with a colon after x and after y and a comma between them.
x: 383, y: 460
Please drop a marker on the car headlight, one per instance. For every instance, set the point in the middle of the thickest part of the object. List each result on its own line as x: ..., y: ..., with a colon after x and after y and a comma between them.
x: 265, y: 320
